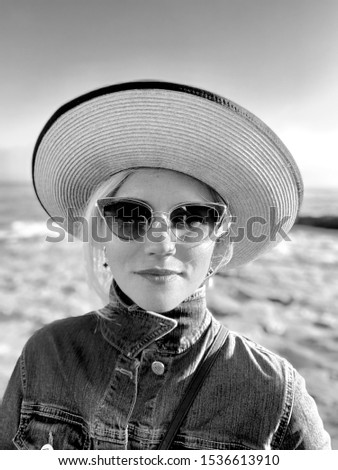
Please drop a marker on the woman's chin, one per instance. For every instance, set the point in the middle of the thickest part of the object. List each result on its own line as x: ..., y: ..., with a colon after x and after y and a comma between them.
x: 159, y: 305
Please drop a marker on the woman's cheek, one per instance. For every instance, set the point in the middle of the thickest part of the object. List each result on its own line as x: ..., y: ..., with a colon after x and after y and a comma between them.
x: 198, y: 257
x: 118, y: 254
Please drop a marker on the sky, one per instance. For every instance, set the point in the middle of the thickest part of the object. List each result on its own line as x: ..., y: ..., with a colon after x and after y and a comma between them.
x: 276, y: 58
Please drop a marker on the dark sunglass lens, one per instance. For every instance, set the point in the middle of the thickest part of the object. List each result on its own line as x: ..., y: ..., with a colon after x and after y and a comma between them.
x: 193, y: 223
x: 192, y: 215
x: 126, y: 219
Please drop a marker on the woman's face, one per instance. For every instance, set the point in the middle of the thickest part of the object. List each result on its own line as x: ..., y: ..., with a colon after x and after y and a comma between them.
x: 159, y: 273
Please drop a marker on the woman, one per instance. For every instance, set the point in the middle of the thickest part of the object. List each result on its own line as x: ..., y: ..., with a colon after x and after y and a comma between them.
x: 176, y: 183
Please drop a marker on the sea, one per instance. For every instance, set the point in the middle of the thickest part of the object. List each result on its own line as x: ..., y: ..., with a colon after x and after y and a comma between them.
x: 21, y: 215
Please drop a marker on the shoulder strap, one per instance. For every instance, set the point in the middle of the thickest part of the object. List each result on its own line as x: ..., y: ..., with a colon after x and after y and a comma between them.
x: 194, y: 386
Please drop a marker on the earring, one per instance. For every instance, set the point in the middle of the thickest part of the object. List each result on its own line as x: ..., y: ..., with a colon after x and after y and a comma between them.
x: 105, y: 264
x: 208, y: 280
x: 210, y: 272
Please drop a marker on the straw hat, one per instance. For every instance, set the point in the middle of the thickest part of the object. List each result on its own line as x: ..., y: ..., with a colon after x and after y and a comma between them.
x: 177, y: 127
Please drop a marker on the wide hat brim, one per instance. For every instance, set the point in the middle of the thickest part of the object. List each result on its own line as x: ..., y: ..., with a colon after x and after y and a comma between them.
x: 176, y: 127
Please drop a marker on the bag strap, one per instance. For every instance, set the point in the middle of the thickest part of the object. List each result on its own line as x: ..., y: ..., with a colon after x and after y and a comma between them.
x: 194, y: 386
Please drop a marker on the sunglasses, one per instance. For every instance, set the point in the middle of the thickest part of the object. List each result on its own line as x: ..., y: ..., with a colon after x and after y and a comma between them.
x: 190, y: 222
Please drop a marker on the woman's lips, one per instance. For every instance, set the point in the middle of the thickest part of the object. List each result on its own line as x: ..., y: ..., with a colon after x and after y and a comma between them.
x: 159, y: 275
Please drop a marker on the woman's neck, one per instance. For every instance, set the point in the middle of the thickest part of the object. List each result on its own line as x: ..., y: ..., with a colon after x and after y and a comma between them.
x: 189, y: 319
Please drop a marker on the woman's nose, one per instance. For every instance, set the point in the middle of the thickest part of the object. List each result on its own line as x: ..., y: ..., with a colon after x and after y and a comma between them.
x: 159, y: 239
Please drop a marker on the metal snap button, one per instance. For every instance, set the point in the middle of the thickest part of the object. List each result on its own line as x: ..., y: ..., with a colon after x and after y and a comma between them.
x: 47, y: 447
x: 157, y: 367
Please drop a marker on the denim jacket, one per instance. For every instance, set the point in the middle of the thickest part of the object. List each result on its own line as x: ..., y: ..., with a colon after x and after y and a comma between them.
x: 93, y: 383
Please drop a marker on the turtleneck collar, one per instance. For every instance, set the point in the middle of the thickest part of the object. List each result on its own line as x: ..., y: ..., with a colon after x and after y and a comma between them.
x: 130, y: 329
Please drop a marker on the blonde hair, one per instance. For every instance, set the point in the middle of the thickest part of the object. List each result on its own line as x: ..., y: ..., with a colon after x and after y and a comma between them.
x: 99, y: 277
x: 223, y: 243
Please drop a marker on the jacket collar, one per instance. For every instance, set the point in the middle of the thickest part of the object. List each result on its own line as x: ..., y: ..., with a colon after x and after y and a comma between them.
x: 131, y: 329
